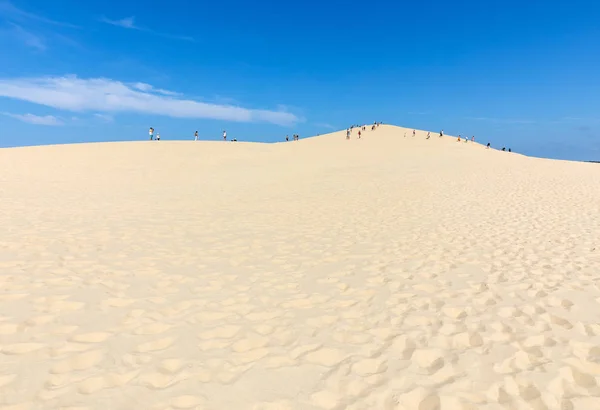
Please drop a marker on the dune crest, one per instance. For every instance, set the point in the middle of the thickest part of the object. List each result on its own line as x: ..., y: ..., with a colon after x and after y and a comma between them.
x: 388, y: 272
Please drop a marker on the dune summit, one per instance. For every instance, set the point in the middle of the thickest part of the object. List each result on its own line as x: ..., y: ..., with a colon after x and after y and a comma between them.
x: 389, y: 272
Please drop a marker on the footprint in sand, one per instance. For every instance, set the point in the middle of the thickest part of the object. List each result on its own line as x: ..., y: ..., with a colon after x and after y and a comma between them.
x: 368, y: 367
x: 21, y: 348
x: 8, y: 328
x: 81, y: 361
x: 250, y: 343
x: 429, y: 360
x: 96, y: 337
x: 152, y: 329
x: 187, y: 402
x: 325, y: 357
x: 155, y: 345
x: 222, y: 332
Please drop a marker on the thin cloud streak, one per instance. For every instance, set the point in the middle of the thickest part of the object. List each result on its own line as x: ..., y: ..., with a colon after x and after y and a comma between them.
x: 35, y: 119
x: 104, y: 117
x: 27, y: 38
x: 103, y: 95
x: 10, y: 11
x: 129, y: 23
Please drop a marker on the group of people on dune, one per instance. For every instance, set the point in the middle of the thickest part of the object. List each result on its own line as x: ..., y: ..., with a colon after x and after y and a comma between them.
x: 361, y: 129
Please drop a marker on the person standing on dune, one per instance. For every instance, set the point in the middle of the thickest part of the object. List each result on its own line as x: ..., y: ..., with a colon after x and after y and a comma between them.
x: 428, y: 135
x: 348, y: 134
x: 414, y: 133
x: 224, y: 135
x: 359, y: 134
x: 151, y: 133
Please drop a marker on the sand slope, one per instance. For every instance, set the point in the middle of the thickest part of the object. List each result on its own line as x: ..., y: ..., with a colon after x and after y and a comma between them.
x: 382, y: 273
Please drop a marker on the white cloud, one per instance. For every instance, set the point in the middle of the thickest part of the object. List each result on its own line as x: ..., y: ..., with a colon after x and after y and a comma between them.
x: 36, y: 119
x: 109, y: 96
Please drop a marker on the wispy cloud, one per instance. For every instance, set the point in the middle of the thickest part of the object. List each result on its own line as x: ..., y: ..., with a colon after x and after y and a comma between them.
x: 104, y: 117
x: 109, y: 96
x: 26, y: 37
x: 13, y: 13
x: 148, y: 88
x: 35, y: 119
x: 501, y: 120
x: 129, y: 23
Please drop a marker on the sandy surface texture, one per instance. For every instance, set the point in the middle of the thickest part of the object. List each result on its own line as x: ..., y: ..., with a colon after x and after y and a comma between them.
x: 388, y: 272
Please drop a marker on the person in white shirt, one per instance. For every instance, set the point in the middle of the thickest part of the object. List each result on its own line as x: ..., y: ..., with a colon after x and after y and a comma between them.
x: 224, y: 135
x: 151, y: 133
x: 196, y: 136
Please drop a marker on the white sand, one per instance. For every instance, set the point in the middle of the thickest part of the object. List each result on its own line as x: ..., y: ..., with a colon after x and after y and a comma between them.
x: 382, y: 273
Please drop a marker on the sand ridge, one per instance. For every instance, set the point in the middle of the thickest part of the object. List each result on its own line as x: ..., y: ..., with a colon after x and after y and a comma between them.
x: 381, y: 273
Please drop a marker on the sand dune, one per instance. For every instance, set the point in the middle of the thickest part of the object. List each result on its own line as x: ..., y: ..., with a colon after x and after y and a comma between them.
x: 381, y: 273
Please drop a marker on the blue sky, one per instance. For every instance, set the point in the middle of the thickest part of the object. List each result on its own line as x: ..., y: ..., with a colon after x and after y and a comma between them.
x: 518, y: 74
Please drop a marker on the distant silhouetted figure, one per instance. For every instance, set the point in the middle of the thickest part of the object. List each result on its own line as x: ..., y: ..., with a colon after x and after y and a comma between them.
x: 488, y: 145
x: 509, y: 150
x: 347, y: 134
x: 414, y: 133
x: 157, y: 137
x: 196, y: 136
x: 441, y: 133
x: 359, y: 134
x: 473, y: 138
x: 151, y: 133
x: 428, y: 135
x: 458, y: 138
x: 287, y: 138
x: 224, y: 135
x: 503, y: 148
